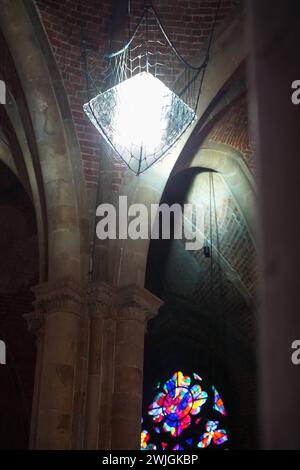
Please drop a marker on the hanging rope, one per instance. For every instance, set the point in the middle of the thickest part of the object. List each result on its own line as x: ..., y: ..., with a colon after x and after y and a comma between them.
x: 145, y: 18
x: 208, y: 53
x: 221, y: 292
x: 217, y: 292
x: 212, y: 365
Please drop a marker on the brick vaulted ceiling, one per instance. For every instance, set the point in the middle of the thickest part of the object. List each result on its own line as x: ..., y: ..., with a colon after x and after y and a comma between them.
x: 232, y: 130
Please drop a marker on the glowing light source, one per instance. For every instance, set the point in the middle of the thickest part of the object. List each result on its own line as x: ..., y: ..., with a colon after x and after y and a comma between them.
x: 140, y: 118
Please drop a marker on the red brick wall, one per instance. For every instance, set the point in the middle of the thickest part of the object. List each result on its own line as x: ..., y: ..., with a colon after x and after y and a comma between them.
x: 188, y: 22
x: 233, y: 130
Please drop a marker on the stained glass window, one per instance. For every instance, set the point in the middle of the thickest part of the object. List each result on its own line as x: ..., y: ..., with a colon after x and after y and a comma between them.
x: 185, y: 413
x: 218, y: 402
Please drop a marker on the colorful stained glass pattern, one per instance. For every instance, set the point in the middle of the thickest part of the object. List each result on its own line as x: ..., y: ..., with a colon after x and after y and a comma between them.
x: 145, y: 437
x: 197, y: 377
x: 177, y: 403
x: 186, y: 413
x: 218, y: 402
x: 212, y: 434
x: 178, y: 447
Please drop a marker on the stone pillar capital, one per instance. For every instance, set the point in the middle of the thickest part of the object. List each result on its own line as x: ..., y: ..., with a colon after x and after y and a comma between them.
x: 52, y: 297
x: 102, y: 299
x: 65, y: 295
x: 136, y: 303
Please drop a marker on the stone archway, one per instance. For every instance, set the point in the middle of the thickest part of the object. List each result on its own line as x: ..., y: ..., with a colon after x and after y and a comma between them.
x: 227, y: 54
x: 59, y: 301
x: 55, y: 143
x: 122, y: 264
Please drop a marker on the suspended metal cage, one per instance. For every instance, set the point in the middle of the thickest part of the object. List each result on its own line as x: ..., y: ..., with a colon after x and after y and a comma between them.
x: 149, y: 94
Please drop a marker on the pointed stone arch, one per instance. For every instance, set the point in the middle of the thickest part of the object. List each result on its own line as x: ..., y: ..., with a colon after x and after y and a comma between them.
x: 54, y: 136
x: 40, y: 116
x: 228, y: 53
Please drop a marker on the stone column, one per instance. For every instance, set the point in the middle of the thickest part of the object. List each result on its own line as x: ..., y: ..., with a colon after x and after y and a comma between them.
x: 99, y: 376
x: 56, y: 319
x: 54, y: 155
x: 36, y: 323
x: 134, y: 307
x: 275, y: 64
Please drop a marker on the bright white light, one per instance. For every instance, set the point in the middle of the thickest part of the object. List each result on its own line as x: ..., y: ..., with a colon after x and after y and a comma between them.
x: 141, y: 118
x: 204, y: 195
